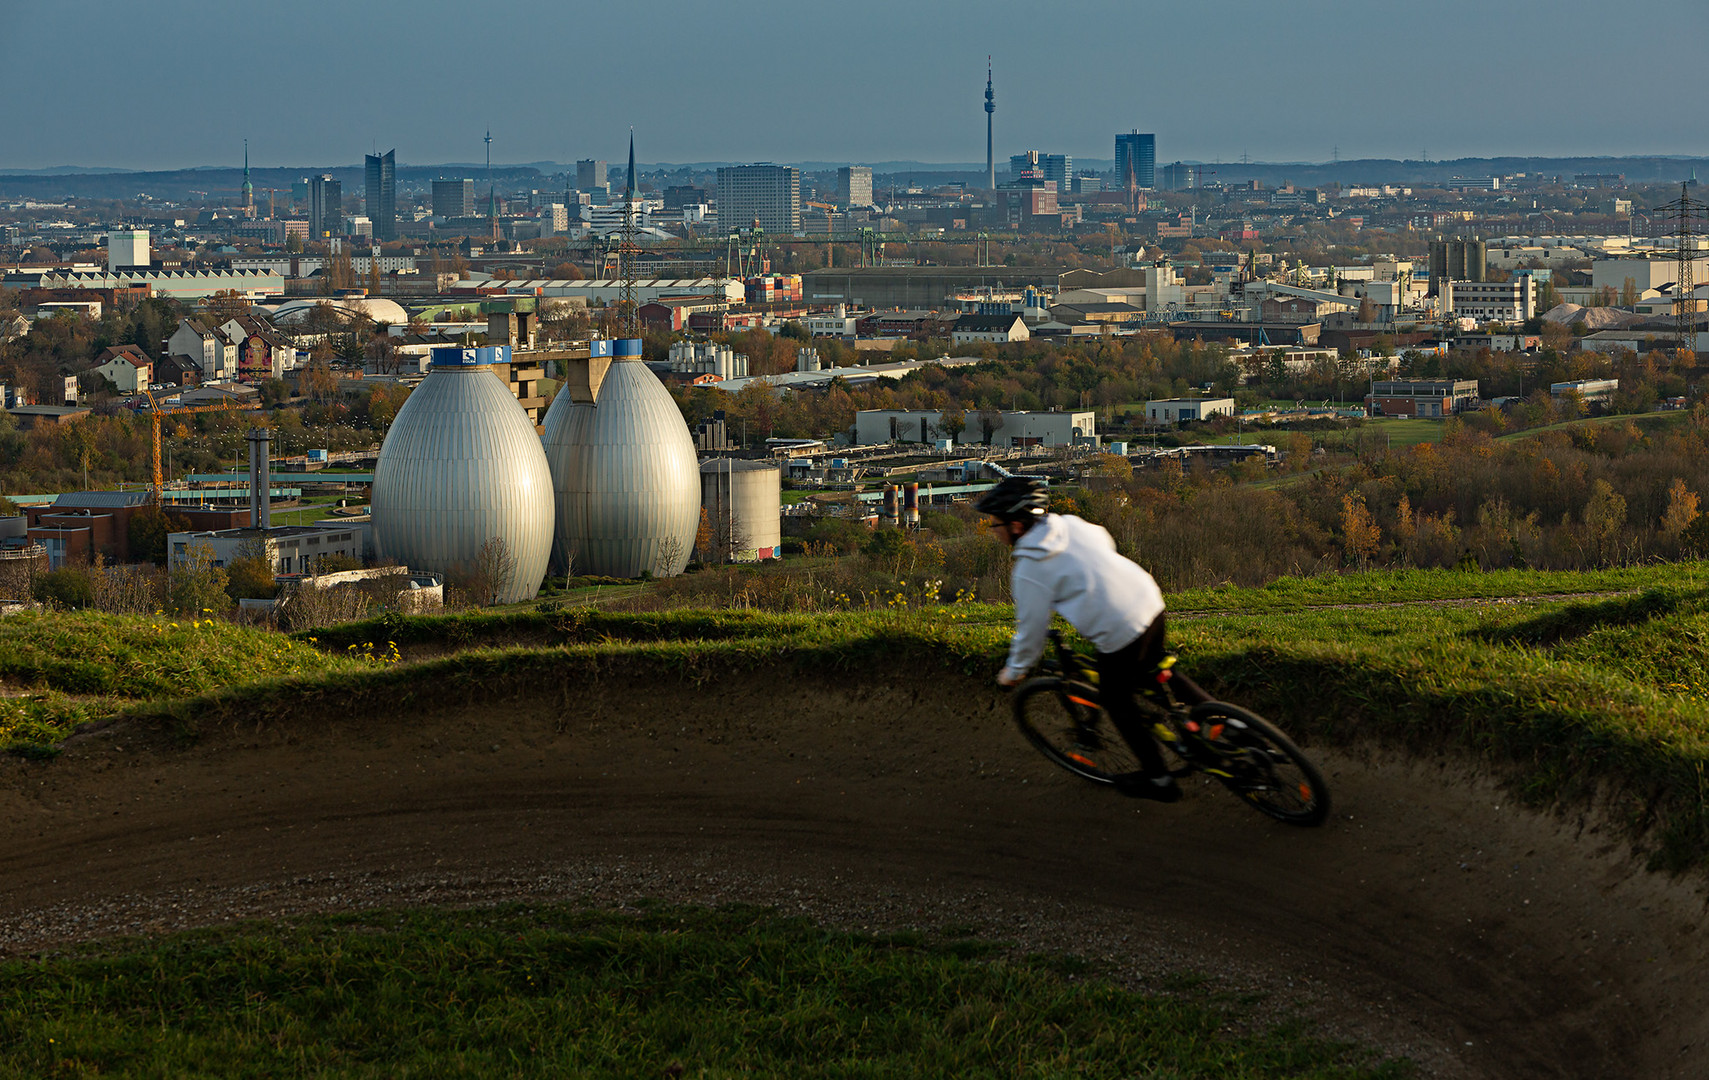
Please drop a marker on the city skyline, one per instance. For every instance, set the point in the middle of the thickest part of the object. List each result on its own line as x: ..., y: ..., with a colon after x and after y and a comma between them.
x: 1305, y: 83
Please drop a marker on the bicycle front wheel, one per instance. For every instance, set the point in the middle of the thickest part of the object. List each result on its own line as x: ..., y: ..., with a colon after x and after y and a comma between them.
x: 1064, y: 721
x: 1262, y: 765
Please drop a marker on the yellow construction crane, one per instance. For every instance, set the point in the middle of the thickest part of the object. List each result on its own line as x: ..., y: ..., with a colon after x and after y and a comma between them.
x: 156, y: 482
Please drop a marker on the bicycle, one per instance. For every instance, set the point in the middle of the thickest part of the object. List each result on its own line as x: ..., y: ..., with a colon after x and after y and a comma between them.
x: 1059, y: 712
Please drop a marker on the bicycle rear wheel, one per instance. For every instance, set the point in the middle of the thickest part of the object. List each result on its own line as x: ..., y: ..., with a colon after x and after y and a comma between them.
x: 1064, y: 721
x: 1264, y: 767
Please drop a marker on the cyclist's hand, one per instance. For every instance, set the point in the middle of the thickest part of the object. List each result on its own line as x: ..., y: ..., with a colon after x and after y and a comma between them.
x: 1005, y: 679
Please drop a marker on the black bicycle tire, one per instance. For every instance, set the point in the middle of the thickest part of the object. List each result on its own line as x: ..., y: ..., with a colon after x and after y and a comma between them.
x: 1057, y: 689
x: 1206, y: 714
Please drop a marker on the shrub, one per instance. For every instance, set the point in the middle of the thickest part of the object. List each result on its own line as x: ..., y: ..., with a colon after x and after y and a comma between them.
x: 69, y: 587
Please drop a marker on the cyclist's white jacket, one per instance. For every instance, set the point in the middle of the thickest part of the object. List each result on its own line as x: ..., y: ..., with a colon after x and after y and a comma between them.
x: 1068, y: 565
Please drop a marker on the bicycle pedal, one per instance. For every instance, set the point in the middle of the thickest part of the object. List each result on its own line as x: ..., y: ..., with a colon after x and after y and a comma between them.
x: 1164, y: 732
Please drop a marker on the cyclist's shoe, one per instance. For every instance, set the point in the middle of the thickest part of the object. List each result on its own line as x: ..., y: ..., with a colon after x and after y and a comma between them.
x: 1140, y: 786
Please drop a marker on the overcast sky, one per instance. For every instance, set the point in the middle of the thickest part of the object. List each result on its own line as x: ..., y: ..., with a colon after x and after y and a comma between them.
x: 177, y: 83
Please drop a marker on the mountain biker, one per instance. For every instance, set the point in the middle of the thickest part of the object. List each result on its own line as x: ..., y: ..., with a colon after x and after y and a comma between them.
x: 1065, y: 564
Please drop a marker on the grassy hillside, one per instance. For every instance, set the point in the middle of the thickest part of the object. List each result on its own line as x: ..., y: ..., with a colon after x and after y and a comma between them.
x: 1593, y: 689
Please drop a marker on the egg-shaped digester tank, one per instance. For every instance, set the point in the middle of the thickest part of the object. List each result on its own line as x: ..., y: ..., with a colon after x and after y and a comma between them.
x: 624, y: 472
x: 460, y: 467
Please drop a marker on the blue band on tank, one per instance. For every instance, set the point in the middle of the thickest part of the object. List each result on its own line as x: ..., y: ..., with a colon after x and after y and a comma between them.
x: 628, y: 346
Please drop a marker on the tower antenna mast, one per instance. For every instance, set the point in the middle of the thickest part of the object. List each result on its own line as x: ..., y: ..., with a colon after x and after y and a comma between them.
x: 990, y: 107
x: 492, y: 192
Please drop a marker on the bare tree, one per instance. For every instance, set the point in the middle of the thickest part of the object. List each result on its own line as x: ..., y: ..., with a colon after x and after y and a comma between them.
x: 494, y: 572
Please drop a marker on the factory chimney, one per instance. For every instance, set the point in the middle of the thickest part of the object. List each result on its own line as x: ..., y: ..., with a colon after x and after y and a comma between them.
x: 260, y: 478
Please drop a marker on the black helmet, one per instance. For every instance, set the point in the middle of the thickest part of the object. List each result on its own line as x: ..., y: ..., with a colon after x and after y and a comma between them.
x: 1015, y: 498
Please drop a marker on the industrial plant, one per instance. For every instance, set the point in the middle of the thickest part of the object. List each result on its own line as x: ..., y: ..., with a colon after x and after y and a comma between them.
x: 624, y: 474
x: 460, y: 469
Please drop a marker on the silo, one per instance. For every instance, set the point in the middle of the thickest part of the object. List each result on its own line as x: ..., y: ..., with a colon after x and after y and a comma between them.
x: 743, y: 501
x: 624, y: 475
x: 460, y: 467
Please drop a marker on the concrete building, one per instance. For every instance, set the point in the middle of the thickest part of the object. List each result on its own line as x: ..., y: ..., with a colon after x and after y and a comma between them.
x: 79, y: 525
x: 1141, y: 151
x: 998, y: 328
x: 453, y: 198
x: 1428, y: 398
x: 382, y: 190
x: 591, y: 176
x: 291, y: 549
x: 916, y: 287
x: 766, y: 195
x: 1178, y: 410
x: 127, y: 249
x: 175, y: 284
x: 1510, y: 301
x: 326, y: 208
x: 1055, y: 167
x: 1589, y: 391
x: 212, y: 353
x: 126, y: 367
x: 875, y: 427
x: 1644, y: 272
x: 854, y: 185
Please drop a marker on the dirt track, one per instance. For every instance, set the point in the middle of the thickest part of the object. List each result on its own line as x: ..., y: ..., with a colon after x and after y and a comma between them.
x: 1429, y: 917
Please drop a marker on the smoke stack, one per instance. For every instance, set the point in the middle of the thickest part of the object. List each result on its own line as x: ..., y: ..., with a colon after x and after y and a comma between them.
x: 260, y: 478
x: 889, y: 514
x: 911, y: 506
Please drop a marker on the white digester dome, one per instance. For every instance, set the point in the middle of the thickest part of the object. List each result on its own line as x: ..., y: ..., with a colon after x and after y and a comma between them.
x: 624, y: 473
x: 460, y: 466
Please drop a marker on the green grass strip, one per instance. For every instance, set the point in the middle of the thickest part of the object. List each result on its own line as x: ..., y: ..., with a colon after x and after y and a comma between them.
x: 559, y: 991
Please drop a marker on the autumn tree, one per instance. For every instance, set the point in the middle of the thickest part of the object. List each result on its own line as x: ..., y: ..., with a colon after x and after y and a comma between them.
x: 1359, y: 530
x: 1681, y: 510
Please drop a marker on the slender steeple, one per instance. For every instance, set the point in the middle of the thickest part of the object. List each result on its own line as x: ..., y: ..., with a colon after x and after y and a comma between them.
x: 990, y: 107
x: 628, y: 305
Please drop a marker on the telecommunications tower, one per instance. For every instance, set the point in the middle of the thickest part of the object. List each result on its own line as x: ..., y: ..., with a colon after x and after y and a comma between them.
x: 990, y: 107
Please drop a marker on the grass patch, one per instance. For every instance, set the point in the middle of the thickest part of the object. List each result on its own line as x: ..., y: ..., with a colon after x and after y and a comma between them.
x: 74, y: 667
x: 1571, y: 700
x: 1643, y: 421
x: 1416, y: 586
x: 556, y: 991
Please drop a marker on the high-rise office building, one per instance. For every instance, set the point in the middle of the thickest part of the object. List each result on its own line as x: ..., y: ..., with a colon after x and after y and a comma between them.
x: 326, y: 208
x: 854, y: 185
x: 453, y: 198
x: 590, y: 176
x: 382, y: 204
x: 127, y: 248
x: 1141, y: 150
x: 1058, y: 167
x: 767, y: 194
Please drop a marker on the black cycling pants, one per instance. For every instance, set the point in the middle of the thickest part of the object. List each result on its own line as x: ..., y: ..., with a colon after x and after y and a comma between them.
x: 1120, y: 675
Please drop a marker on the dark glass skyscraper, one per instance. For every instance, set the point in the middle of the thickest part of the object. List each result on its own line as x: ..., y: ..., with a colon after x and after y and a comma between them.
x: 1142, y: 151
x: 383, y: 194
x: 326, y: 208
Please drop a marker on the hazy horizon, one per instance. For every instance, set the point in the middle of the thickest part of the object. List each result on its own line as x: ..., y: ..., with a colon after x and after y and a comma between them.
x: 897, y: 83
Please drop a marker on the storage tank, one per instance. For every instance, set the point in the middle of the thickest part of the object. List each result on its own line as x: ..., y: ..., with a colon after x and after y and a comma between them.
x: 624, y: 475
x: 743, y: 501
x: 460, y: 466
